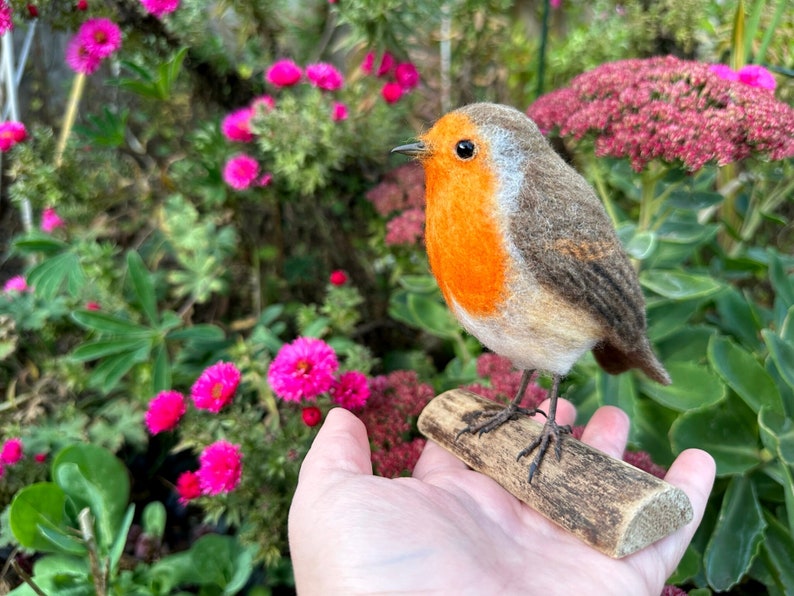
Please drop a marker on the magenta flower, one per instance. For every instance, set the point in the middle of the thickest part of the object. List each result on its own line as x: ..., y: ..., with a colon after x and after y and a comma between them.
x: 338, y: 278
x: 79, y: 58
x: 159, y: 8
x: 673, y: 110
x: 220, y: 468
x: 368, y: 63
x: 11, y: 452
x: 324, y: 76
x: 267, y: 102
x: 407, y: 75
x: 265, y: 179
x: 302, y: 369
x: 339, y: 112
x: 757, y: 76
x: 350, y: 390
x: 724, y: 72
x: 284, y: 73
x: 6, y: 20
x: 215, y: 386
x: 50, y: 220
x: 240, y: 171
x: 11, y: 133
x: 311, y: 415
x: 100, y: 37
x: 165, y: 411
x: 188, y: 487
x: 392, y: 92
x: 386, y: 64
x: 237, y: 125
x: 16, y: 284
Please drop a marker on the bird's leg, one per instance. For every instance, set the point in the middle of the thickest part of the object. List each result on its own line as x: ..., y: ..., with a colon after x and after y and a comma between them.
x: 510, y: 412
x: 550, y: 429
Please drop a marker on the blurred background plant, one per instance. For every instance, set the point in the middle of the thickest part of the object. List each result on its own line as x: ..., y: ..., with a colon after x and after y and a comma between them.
x: 216, y: 188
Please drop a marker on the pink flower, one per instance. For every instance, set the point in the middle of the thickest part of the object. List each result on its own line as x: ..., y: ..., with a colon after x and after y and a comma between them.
x: 220, y: 468
x: 386, y: 64
x: 392, y: 92
x: 215, y: 386
x: 339, y: 111
x: 283, y: 73
x: 33, y: 11
x: 188, y: 487
x: 241, y: 171
x: 406, y: 228
x: 40, y: 458
x: 311, y: 415
x: 757, y: 76
x: 324, y: 76
x: 351, y: 390
x: 338, y: 278
x: 79, y: 58
x: 267, y: 102
x: 158, y: 8
x: 367, y: 63
x: 407, y: 75
x: 16, y: 284
x: 724, y: 72
x: 81, y: 5
x: 92, y: 305
x: 237, y: 125
x: 165, y: 411
x: 11, y: 133
x: 6, y: 20
x: 265, y: 179
x: 11, y: 452
x: 303, y: 369
x: 555, y: 3
x: 50, y: 220
x: 100, y: 37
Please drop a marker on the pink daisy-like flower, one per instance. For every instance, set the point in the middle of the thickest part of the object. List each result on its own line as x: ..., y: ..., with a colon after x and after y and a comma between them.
x: 188, y: 487
x: 11, y: 452
x: 757, y: 76
x: 241, y: 171
x: 284, y: 73
x: 311, y: 415
x: 324, y: 76
x: 386, y: 64
x: 724, y: 72
x: 407, y: 75
x: 237, y: 125
x: 367, y: 63
x: 6, y: 20
x: 338, y: 278
x: 165, y: 411
x: 16, y: 284
x: 11, y: 133
x: 265, y: 179
x: 220, y: 468
x: 392, y: 92
x: 339, y: 112
x: 351, y: 390
x: 79, y: 58
x: 81, y: 5
x: 159, y: 8
x: 215, y: 387
x: 50, y: 220
x: 303, y: 369
x: 100, y: 37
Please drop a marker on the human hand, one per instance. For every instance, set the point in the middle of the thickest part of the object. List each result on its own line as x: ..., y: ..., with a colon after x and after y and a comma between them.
x: 451, y: 530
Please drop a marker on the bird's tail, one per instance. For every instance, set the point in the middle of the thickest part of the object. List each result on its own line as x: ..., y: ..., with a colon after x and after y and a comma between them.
x: 615, y: 361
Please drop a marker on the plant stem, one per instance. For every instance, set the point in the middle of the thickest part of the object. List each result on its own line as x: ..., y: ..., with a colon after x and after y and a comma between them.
x: 26, y: 578
x: 87, y: 530
x: 78, y: 85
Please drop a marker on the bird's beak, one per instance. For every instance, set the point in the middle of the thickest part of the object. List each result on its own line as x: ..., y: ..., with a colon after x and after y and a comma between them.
x: 411, y: 149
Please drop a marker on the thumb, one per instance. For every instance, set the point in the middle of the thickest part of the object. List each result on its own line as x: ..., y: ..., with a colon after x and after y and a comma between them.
x: 340, y: 446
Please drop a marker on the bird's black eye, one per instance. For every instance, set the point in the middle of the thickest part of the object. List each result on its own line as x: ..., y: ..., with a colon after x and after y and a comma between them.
x: 465, y: 149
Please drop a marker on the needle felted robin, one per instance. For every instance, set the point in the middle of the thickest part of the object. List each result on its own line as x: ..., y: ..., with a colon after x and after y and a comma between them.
x: 526, y: 256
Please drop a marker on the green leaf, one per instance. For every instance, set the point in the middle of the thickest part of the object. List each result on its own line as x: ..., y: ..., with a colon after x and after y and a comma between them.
x: 678, y: 285
x: 37, y: 506
x: 782, y: 353
x: 221, y: 561
x: 197, y: 333
x: 93, y: 477
x: 426, y: 313
x: 693, y: 386
x: 777, y: 432
x: 744, y: 374
x: 142, y: 286
x: 687, y: 568
x: 107, y: 323
x: 778, y: 550
x: 161, y: 372
x: 111, y: 369
x: 737, y: 537
x: 51, y: 274
x: 727, y: 430
x: 36, y: 241
x: 59, y: 574
x: 782, y: 283
x: 737, y: 317
x: 117, y: 548
x: 106, y: 347
x: 154, y: 517
x: 419, y: 284
x: 642, y: 245
x: 694, y: 200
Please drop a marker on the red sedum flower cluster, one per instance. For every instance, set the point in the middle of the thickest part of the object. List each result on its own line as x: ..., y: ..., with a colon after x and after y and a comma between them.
x: 669, y: 109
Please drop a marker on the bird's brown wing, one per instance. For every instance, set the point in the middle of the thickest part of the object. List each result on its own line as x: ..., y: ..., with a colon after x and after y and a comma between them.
x: 568, y: 243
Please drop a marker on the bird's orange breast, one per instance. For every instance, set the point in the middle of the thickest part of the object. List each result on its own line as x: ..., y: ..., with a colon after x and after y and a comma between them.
x: 464, y: 240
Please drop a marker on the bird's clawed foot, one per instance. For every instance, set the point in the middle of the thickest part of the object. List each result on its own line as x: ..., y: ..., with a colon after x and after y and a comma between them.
x: 509, y: 412
x: 550, y: 430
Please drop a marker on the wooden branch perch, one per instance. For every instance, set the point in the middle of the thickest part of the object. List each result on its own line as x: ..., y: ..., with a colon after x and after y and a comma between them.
x: 609, y: 504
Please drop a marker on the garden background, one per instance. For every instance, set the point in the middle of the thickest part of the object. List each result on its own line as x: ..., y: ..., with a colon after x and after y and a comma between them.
x: 206, y: 245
